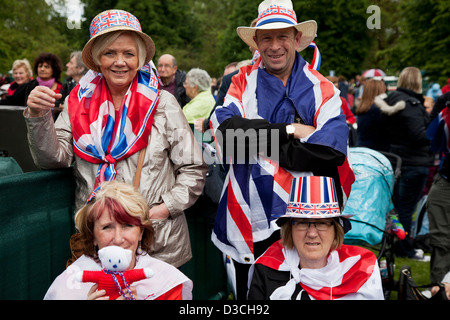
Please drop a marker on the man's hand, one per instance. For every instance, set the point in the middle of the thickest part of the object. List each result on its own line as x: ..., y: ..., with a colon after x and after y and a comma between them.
x: 302, y: 130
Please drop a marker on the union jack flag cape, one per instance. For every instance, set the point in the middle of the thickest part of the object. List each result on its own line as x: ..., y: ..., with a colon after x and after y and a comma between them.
x: 104, y: 135
x: 351, y: 273
x: 253, y: 193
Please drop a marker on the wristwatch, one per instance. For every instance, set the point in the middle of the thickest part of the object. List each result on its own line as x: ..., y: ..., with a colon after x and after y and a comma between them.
x: 290, y: 130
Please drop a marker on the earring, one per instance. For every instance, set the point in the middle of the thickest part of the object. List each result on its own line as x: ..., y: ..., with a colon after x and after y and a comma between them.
x: 139, y: 249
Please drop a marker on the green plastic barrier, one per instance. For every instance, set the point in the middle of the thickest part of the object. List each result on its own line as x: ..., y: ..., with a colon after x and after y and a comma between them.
x: 9, y: 167
x: 36, y: 221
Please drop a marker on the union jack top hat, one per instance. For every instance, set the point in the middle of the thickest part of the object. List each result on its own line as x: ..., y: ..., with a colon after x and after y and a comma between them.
x: 313, y: 197
x: 278, y: 14
x: 110, y: 21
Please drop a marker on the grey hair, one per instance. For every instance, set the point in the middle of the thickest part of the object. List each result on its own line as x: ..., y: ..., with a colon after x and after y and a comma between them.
x: 104, y: 41
x: 200, y: 78
x: 79, y: 60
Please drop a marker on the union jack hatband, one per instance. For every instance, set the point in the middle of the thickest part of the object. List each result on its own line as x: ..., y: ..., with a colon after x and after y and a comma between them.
x: 115, y: 20
x: 313, y: 197
x: 278, y: 14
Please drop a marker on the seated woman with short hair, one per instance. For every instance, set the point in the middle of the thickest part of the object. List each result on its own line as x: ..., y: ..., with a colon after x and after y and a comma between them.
x: 311, y: 261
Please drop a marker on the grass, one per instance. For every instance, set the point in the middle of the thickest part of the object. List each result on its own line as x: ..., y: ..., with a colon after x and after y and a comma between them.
x: 420, y: 272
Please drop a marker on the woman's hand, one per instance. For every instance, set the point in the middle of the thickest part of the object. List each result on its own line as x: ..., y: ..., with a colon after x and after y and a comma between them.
x: 95, y: 294
x: 133, y: 292
x: 40, y: 100
x: 159, y: 212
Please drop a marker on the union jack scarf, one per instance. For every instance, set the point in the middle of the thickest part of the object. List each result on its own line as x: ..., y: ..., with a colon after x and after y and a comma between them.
x: 253, y: 193
x: 103, y: 135
x: 351, y: 273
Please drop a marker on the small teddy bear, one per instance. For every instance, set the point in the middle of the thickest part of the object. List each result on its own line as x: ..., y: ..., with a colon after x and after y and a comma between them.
x: 115, y: 277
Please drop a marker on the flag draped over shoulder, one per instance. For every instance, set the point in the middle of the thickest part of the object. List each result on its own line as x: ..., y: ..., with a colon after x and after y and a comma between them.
x: 104, y: 135
x: 351, y: 272
x: 253, y: 192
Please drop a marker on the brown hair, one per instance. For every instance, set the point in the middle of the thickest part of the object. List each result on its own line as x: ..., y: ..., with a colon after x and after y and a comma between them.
x: 122, y: 202
x: 286, y: 234
x: 372, y: 88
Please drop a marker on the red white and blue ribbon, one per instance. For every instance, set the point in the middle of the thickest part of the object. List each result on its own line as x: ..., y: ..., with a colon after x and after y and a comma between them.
x: 104, y: 135
x: 313, y: 196
x: 117, y: 283
x: 275, y: 13
x: 317, y: 59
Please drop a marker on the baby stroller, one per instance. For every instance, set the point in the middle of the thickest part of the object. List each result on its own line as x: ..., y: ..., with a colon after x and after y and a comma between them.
x: 374, y: 224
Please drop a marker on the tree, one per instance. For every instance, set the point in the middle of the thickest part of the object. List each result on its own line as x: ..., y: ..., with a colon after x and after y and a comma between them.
x: 342, y: 34
x: 29, y: 28
x: 423, y: 40
x: 231, y: 47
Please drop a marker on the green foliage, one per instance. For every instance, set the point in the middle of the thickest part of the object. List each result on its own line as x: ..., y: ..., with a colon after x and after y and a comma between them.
x: 342, y: 35
x: 423, y: 40
x: 231, y: 47
x: 203, y: 33
x: 25, y: 37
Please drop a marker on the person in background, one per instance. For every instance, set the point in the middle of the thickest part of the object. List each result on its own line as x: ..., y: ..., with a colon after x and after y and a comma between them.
x: 129, y: 122
x: 438, y: 201
x: 406, y: 135
x: 446, y: 87
x: 172, y: 78
x: 48, y: 68
x: 434, y: 92
x: 203, y: 124
x: 22, y: 75
x: 75, y: 71
x: 371, y: 133
x: 428, y: 104
x: 198, y: 89
x: 116, y: 214
x: 349, y: 117
x: 311, y: 261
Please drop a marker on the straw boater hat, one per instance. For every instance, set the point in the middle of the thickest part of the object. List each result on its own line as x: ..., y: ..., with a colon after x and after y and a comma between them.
x: 114, y: 20
x: 278, y: 14
x: 312, y: 197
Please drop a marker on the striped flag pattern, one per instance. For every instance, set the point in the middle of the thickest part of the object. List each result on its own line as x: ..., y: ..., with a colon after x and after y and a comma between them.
x: 254, y: 194
x: 313, y: 196
x: 103, y: 135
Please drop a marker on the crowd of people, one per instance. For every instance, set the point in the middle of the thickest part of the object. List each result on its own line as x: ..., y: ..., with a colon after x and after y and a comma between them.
x: 128, y: 126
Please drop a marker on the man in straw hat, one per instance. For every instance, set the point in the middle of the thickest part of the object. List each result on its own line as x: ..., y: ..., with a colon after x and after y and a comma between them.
x: 279, y: 102
x: 311, y: 261
x: 118, y: 125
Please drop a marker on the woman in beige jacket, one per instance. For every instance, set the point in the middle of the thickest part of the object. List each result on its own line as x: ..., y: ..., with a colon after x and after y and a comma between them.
x: 117, y: 88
